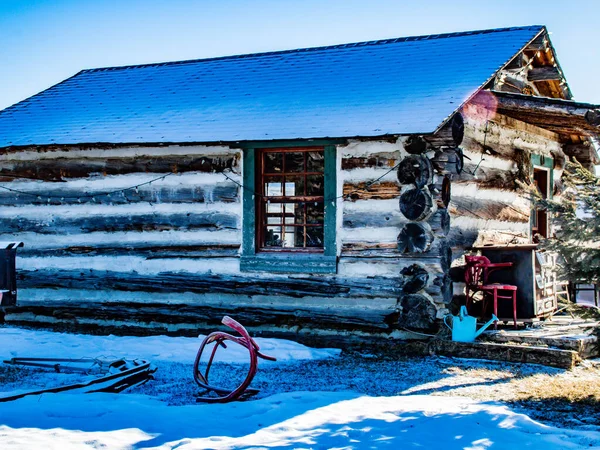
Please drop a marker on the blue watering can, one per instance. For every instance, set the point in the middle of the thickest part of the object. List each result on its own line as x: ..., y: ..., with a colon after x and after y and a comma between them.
x: 464, y: 326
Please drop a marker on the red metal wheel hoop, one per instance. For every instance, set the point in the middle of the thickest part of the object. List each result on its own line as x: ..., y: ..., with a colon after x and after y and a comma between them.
x: 218, y: 338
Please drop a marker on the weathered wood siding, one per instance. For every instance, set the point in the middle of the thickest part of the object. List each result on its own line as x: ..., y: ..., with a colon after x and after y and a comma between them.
x: 371, y: 223
x: 488, y: 204
x: 165, y: 255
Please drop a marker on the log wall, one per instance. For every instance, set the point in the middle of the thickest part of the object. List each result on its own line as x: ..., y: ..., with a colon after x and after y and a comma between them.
x: 164, y: 256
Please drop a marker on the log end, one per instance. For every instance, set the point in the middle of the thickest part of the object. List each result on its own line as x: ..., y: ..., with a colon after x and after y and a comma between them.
x: 415, y: 145
x: 416, y: 204
x: 418, y: 313
x: 414, y: 238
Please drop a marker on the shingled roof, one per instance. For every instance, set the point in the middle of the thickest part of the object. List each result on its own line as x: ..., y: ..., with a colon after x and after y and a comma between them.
x: 395, y: 86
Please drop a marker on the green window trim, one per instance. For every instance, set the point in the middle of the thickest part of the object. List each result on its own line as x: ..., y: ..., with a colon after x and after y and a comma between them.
x: 288, y: 262
x: 543, y: 162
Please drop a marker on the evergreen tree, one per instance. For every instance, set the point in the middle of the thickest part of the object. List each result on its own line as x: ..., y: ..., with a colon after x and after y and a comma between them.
x: 575, y: 216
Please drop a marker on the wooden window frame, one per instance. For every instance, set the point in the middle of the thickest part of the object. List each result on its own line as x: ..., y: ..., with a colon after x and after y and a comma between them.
x: 252, y: 259
x: 260, y: 210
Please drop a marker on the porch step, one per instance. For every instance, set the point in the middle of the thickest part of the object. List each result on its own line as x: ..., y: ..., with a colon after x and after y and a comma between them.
x: 586, y: 346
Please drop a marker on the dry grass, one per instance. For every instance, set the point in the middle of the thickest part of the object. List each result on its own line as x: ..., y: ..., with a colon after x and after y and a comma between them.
x: 545, y: 387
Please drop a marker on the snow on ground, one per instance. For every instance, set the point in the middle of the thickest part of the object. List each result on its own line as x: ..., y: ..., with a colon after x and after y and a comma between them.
x: 293, y: 420
x: 332, y: 414
x: 18, y: 342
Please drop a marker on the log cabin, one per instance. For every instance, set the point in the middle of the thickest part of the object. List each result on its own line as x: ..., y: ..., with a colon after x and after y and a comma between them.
x: 311, y: 193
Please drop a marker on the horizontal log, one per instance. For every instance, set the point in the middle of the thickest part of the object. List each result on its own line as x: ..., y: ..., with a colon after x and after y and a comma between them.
x: 380, y: 190
x: 55, y: 194
x: 487, y: 177
x: 538, y: 44
x: 488, y: 209
x: 510, y: 83
x: 129, y: 240
x: 546, y: 73
x: 436, y: 259
x: 140, y: 250
x: 137, y: 222
x: 203, y: 283
x: 61, y: 169
x: 374, y: 160
x: 559, y: 116
x: 565, y: 359
x: 375, y: 219
x: 354, y: 219
x: 169, y: 316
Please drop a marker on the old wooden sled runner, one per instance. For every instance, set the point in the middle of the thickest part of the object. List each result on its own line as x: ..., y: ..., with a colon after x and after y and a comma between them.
x: 115, y: 376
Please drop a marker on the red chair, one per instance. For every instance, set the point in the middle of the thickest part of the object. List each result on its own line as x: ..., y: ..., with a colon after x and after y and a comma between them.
x: 477, y: 271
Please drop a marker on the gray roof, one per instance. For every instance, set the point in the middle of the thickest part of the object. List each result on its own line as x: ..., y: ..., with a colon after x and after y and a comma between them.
x: 395, y: 86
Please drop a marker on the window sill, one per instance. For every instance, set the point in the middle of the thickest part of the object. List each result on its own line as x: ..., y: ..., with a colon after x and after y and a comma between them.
x: 289, y: 263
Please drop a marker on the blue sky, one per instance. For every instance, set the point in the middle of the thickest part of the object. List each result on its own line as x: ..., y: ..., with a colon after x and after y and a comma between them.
x: 45, y: 41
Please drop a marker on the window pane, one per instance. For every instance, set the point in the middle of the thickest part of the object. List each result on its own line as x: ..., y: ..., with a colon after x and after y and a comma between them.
x: 294, y: 162
x: 274, y: 208
x: 314, y: 237
x: 315, y: 213
x: 315, y: 162
x: 315, y: 185
x: 290, y: 237
x: 273, y: 186
x: 289, y: 209
x: 273, y: 237
x: 300, y: 236
x: 299, y: 213
x: 273, y: 162
x: 294, y: 186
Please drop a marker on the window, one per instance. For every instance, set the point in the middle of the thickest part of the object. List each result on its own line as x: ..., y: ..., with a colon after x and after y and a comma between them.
x: 543, y: 180
x: 289, y: 207
x: 291, y: 212
x: 540, y: 216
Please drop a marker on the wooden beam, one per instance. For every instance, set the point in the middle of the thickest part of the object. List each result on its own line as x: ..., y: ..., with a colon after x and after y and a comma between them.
x: 566, y: 359
x: 538, y: 44
x: 516, y: 63
x: 546, y: 73
x: 584, y: 153
x: 560, y: 116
